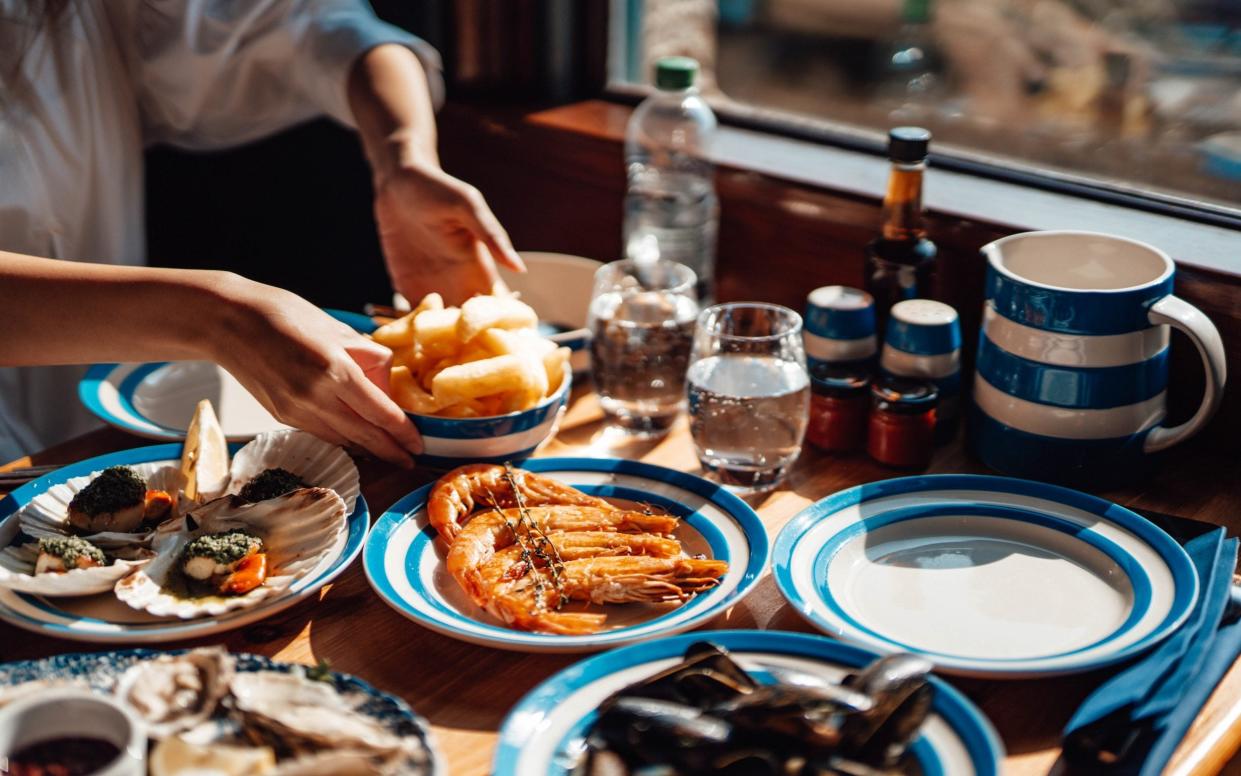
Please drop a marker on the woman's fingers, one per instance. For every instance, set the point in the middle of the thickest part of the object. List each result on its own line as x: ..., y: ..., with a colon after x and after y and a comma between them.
x: 377, y: 408
x: 486, y: 227
x: 368, y: 436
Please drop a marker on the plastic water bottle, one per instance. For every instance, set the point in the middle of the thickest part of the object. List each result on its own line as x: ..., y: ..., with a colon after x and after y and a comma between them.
x: 671, y: 211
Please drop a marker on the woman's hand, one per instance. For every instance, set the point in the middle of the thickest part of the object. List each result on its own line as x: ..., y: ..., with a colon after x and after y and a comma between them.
x: 438, y: 234
x: 311, y: 371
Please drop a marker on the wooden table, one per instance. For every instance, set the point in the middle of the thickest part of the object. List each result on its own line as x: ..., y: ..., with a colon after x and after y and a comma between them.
x: 465, y: 690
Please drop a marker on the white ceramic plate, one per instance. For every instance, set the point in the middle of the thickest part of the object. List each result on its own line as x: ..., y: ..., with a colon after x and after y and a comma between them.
x: 985, y: 576
x: 545, y: 731
x: 105, y: 620
x: 405, y: 564
x: 157, y: 400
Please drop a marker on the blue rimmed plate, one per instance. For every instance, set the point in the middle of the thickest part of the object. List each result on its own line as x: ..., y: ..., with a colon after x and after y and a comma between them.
x: 545, y: 731
x: 986, y: 576
x: 105, y: 620
x: 157, y: 400
x: 406, y: 566
x: 101, y: 670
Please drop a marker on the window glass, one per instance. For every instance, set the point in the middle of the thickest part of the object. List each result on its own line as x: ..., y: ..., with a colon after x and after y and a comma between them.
x: 1140, y: 94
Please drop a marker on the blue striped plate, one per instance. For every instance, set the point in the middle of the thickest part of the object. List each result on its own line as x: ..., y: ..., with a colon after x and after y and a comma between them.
x: 405, y: 565
x: 985, y: 576
x: 101, y: 618
x: 157, y: 400
x: 545, y: 732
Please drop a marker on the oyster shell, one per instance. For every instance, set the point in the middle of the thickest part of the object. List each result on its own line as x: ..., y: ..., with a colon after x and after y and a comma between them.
x: 174, y: 693
x: 318, y: 463
x: 301, y: 711
x: 47, y: 514
x: 17, y: 567
x: 302, y: 532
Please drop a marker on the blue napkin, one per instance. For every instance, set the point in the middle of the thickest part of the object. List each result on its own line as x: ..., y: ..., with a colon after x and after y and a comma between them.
x: 1132, y: 723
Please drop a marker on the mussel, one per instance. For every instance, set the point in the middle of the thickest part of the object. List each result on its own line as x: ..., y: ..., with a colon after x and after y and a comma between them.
x: 708, y: 715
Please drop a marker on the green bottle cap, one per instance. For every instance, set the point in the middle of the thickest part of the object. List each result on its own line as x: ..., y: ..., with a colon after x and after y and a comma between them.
x: 675, y: 73
x: 916, y: 11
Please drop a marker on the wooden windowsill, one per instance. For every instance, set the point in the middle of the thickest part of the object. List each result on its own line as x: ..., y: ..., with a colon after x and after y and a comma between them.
x: 1008, y: 206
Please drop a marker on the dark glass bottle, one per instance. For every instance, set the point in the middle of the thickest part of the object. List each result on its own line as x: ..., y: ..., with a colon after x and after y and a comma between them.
x: 900, y: 263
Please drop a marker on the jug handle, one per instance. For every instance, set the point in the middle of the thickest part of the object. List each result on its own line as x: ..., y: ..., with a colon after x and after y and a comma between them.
x: 1181, y: 315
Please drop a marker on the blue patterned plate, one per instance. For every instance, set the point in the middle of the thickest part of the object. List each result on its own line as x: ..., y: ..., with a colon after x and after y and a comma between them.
x: 545, y: 732
x: 105, y: 620
x: 157, y: 400
x: 101, y: 670
x: 406, y: 566
x: 985, y: 576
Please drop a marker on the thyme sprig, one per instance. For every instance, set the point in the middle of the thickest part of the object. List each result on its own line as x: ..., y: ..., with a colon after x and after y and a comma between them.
x: 531, y: 552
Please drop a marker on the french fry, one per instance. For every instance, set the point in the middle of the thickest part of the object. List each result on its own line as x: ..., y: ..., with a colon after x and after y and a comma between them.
x: 505, y: 342
x: 435, y: 331
x: 494, y: 312
x: 431, y: 301
x: 466, y: 409
x: 482, y: 359
x: 395, y: 334
x: 481, y: 378
x: 556, y: 364
x: 408, y: 395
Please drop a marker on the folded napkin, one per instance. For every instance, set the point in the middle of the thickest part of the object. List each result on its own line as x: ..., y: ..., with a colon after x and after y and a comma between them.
x: 1133, y: 722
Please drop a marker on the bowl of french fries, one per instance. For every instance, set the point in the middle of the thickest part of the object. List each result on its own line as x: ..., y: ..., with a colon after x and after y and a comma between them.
x: 479, y: 381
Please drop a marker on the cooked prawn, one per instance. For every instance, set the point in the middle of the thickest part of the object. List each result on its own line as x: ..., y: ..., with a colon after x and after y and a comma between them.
x: 489, y: 532
x: 457, y: 493
x: 531, y: 601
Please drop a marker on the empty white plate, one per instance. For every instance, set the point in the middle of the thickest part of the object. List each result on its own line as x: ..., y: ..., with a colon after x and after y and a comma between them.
x: 986, y: 576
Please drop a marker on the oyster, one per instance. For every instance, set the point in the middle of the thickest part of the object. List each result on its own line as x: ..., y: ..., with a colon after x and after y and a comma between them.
x: 317, y: 463
x: 306, y: 715
x: 18, y: 567
x: 174, y: 693
x: 47, y: 515
x: 301, y: 533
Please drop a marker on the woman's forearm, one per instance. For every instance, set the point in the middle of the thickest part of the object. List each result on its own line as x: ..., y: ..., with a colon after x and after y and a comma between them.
x: 66, y: 312
x: 392, y: 106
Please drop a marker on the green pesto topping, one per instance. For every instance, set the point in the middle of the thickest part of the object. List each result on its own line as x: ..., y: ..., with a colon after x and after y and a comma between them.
x: 271, y: 483
x: 223, y: 548
x: 113, y: 490
x: 70, y: 548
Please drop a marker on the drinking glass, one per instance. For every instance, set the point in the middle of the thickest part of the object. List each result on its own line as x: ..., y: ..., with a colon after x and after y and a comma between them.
x: 749, y: 394
x: 642, y: 324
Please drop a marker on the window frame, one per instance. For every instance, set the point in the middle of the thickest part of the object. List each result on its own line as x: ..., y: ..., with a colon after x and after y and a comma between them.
x: 624, y: 55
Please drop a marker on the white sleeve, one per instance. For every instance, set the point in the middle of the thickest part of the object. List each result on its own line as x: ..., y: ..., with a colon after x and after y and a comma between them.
x: 213, y: 73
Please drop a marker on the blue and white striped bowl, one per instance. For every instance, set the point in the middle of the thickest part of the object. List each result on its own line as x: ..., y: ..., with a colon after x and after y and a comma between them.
x: 1073, y: 357
x: 452, y: 442
x: 545, y: 732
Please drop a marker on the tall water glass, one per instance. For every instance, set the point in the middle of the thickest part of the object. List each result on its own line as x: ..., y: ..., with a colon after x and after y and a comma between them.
x: 642, y: 321
x: 749, y: 394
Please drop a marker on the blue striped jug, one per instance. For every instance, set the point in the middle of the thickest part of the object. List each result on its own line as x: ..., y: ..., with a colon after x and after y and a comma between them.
x: 1072, y: 362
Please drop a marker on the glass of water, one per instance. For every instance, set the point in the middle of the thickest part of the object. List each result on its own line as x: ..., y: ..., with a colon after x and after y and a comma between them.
x: 642, y: 325
x: 749, y: 394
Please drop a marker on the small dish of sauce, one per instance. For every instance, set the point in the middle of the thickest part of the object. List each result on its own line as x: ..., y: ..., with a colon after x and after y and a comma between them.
x: 67, y: 756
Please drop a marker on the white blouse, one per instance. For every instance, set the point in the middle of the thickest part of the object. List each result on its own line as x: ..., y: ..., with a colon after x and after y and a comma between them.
x: 81, y: 99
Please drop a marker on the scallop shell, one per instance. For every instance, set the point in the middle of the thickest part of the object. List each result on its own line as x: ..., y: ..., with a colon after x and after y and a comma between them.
x: 298, y: 709
x: 47, y: 514
x: 17, y: 565
x: 318, y: 463
x: 303, y: 531
x: 174, y: 693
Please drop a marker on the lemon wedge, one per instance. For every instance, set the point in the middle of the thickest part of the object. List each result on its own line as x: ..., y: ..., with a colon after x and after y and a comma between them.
x: 175, y: 756
x: 204, y: 456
